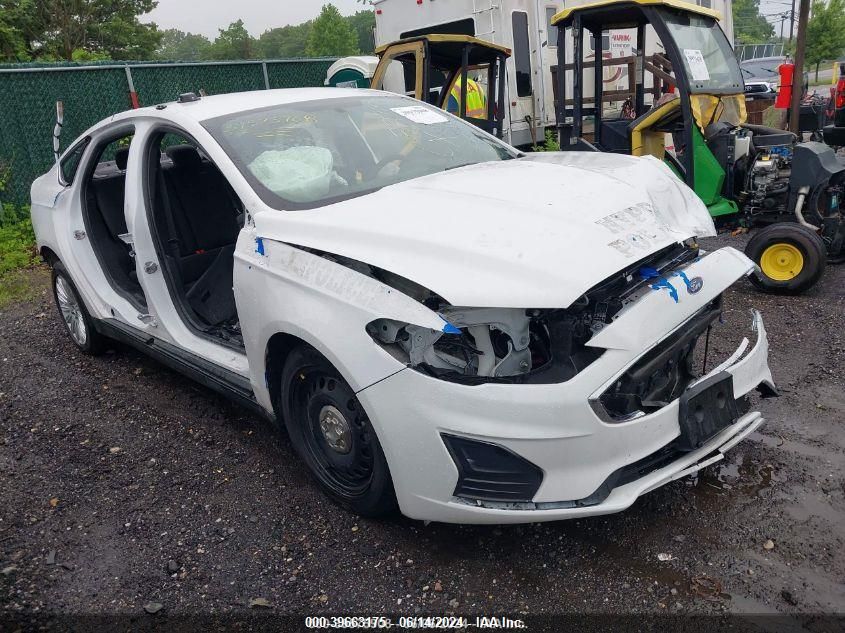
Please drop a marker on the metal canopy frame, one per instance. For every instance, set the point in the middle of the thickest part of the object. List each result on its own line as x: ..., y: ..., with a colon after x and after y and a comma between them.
x: 654, y: 13
x: 471, y: 52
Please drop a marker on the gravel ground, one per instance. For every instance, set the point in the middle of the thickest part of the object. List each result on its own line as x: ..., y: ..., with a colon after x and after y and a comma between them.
x: 124, y: 484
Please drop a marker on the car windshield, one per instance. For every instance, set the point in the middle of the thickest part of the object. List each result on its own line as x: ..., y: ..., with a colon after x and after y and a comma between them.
x: 707, y: 56
x: 309, y: 154
x: 761, y: 70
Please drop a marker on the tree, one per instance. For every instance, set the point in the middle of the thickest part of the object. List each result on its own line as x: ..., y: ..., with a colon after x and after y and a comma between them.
x: 331, y: 35
x: 233, y: 42
x: 825, y: 32
x: 54, y: 29
x: 285, y: 41
x: 176, y: 44
x: 749, y: 26
x: 363, y: 22
x: 17, y: 23
x: 82, y: 55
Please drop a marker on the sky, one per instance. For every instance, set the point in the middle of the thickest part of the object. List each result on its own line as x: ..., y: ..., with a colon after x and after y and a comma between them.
x: 207, y: 16
x: 770, y: 8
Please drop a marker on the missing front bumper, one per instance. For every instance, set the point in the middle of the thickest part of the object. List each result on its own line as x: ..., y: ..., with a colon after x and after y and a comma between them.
x: 699, y: 443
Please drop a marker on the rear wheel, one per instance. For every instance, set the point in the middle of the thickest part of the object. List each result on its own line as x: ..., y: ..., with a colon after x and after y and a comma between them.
x: 791, y: 258
x: 330, y: 430
x: 77, y: 320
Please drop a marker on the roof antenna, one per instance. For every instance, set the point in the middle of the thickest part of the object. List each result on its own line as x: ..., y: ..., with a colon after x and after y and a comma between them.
x: 57, y: 131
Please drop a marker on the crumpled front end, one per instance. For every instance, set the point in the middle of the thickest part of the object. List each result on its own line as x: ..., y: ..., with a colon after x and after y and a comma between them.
x: 635, y: 415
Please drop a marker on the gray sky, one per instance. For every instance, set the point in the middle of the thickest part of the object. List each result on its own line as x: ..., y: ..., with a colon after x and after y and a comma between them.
x: 770, y: 8
x: 206, y: 16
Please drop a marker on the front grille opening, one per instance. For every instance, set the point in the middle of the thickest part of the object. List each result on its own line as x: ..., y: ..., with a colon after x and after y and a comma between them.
x: 663, y: 374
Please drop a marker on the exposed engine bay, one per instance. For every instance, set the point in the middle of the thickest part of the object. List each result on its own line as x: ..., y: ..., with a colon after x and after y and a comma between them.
x: 510, y: 345
x: 776, y: 179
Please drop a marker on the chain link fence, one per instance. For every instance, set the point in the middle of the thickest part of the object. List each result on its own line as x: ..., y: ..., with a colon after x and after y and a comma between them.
x: 92, y: 92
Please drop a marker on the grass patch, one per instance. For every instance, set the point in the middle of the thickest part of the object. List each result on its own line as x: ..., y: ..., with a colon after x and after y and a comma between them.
x: 24, y: 284
x: 17, y: 255
x: 550, y: 144
x: 17, y: 247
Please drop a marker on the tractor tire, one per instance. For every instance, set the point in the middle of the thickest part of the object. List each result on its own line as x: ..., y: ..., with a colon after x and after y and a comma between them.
x: 791, y: 258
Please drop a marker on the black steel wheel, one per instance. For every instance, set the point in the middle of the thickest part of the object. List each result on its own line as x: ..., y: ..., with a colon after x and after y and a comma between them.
x: 791, y: 257
x: 330, y: 430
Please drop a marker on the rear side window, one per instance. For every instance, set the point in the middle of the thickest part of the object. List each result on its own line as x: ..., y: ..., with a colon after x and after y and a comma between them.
x: 521, y: 53
x: 70, y: 163
x: 551, y: 28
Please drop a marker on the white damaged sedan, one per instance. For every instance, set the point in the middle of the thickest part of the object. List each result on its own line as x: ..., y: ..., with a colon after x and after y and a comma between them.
x: 442, y: 323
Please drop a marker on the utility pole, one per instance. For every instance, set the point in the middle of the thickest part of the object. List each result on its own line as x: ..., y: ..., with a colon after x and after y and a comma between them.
x: 798, y: 69
x: 791, y: 21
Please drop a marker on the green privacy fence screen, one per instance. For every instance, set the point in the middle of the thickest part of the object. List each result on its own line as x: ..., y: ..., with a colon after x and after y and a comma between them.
x: 92, y: 92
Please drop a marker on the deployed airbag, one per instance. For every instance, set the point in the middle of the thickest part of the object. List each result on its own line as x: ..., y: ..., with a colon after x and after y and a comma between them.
x: 299, y: 174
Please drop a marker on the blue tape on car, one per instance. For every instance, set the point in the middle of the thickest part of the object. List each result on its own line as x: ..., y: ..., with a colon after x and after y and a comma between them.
x: 259, y: 245
x: 448, y: 328
x: 683, y: 276
x: 664, y: 283
x: 647, y: 272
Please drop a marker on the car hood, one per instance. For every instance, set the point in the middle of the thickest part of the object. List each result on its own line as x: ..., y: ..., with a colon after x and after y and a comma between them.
x: 761, y: 80
x: 534, y: 232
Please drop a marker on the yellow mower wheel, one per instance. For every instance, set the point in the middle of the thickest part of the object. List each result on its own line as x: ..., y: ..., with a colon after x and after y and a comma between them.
x: 782, y: 261
x: 791, y: 258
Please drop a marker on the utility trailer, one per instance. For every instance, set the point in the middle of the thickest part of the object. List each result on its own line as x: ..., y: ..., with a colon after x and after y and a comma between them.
x: 524, y: 26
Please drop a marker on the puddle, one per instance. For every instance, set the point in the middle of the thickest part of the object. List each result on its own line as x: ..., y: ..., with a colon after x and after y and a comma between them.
x: 736, y: 473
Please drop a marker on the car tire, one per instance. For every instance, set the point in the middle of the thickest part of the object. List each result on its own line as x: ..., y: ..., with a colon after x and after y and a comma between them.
x: 74, y: 315
x: 331, y: 432
x: 791, y: 258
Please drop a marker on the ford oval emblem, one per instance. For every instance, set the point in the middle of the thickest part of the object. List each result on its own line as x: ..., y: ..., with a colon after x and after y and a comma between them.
x: 695, y: 284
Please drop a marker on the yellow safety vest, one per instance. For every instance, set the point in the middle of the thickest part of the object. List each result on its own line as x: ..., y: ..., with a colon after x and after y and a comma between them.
x: 476, y: 99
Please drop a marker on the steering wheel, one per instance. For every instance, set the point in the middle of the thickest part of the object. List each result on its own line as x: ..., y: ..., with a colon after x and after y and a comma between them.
x: 372, y: 172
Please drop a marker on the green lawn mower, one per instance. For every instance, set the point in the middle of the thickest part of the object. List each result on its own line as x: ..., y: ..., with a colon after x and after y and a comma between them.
x: 676, y: 93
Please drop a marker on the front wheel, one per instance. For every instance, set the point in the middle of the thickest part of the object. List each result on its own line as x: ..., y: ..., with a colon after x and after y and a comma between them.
x: 791, y: 258
x: 78, y: 322
x: 330, y: 430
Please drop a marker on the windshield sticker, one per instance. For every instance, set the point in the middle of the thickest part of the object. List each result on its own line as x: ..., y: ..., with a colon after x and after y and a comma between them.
x: 420, y: 114
x: 697, y: 65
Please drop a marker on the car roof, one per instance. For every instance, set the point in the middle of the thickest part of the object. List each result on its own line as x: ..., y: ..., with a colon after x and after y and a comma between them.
x: 213, y: 106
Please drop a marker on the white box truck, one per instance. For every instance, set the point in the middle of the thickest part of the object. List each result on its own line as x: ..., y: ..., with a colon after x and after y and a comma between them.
x: 524, y: 26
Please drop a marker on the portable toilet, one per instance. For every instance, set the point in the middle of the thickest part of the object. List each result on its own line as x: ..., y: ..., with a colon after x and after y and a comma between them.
x: 352, y: 72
